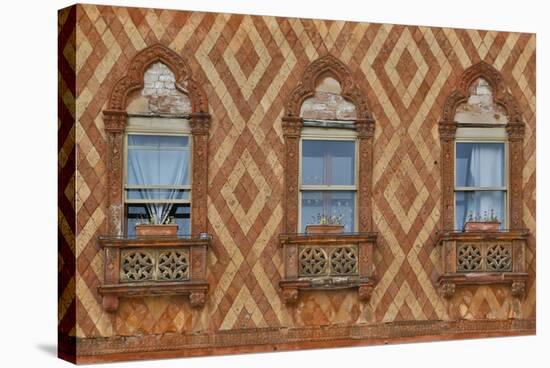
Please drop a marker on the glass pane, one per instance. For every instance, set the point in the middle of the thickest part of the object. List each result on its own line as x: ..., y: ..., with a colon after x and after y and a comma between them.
x: 480, y: 206
x: 169, y: 194
x: 158, y: 160
x: 480, y: 165
x: 140, y: 213
x: 328, y: 162
x: 328, y: 203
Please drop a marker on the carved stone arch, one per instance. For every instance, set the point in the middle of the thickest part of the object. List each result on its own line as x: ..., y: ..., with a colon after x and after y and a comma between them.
x: 500, y: 94
x: 331, y: 65
x: 515, y: 128
x: 133, y: 79
x: 115, y: 119
x: 292, y: 126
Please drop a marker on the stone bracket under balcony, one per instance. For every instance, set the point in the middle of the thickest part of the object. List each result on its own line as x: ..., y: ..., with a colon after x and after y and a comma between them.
x: 153, y: 266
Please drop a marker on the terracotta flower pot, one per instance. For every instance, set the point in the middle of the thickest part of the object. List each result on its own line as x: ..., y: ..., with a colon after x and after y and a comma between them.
x: 325, y: 229
x: 482, y: 226
x: 160, y: 230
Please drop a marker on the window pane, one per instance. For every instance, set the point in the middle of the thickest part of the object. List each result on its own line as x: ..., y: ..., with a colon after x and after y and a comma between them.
x: 480, y: 205
x: 167, y: 194
x: 480, y: 165
x: 158, y: 160
x: 140, y: 213
x: 328, y: 162
x: 329, y: 203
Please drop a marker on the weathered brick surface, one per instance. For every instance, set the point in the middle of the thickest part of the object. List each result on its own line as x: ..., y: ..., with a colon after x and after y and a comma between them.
x: 248, y: 66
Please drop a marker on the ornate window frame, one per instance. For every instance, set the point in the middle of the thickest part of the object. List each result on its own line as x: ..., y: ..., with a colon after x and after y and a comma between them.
x: 116, y: 118
x: 452, y: 240
x: 292, y: 124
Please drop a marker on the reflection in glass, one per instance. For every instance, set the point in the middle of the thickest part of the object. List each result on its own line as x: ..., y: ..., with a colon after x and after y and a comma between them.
x: 329, y: 203
x: 326, y: 162
x: 480, y: 205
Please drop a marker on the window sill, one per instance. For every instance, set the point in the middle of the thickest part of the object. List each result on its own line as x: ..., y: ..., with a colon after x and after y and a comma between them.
x: 483, y: 258
x: 154, y: 266
x: 327, y: 262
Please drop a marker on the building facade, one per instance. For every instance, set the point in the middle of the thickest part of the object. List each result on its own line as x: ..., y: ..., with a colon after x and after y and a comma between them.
x: 314, y: 183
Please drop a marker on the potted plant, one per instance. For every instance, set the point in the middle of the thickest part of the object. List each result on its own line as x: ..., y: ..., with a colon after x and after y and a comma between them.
x: 326, y: 224
x: 152, y: 227
x: 485, y: 223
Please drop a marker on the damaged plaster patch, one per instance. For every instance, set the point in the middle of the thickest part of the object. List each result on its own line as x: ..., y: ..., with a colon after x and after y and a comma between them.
x: 481, y: 107
x: 327, y: 103
x: 159, y: 94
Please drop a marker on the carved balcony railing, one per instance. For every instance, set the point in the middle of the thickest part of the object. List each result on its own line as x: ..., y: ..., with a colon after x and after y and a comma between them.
x: 481, y: 258
x: 154, y: 265
x: 327, y: 262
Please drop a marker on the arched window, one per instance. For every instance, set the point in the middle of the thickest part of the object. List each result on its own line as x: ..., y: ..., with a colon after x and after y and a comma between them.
x: 481, y: 137
x: 157, y: 126
x: 157, y: 164
x: 328, y: 133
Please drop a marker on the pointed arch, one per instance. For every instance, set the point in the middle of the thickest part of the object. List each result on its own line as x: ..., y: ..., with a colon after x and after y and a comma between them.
x: 500, y: 94
x: 515, y: 128
x: 292, y: 125
x: 133, y: 79
x: 115, y: 119
x: 331, y: 65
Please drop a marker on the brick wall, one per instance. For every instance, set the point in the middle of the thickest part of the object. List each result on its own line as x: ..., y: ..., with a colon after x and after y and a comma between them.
x: 248, y: 65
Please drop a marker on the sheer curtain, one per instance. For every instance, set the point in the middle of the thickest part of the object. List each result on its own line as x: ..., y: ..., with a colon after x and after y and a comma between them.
x: 480, y: 165
x: 157, y: 161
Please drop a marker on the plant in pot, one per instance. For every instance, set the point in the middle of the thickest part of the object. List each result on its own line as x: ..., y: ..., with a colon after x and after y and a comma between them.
x: 153, y: 227
x: 326, y: 224
x: 489, y: 222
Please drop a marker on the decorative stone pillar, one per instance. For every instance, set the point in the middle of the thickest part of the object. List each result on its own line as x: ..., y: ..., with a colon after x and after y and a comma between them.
x: 447, y: 134
x: 200, y: 125
x: 516, y: 131
x: 292, y: 127
x: 365, y: 136
x: 115, y: 121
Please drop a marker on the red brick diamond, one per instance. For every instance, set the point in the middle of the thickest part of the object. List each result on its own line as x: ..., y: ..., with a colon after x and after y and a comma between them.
x: 247, y: 57
x: 246, y: 191
x: 406, y: 68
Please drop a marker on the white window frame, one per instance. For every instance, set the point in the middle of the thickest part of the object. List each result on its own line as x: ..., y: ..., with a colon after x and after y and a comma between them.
x: 327, y: 134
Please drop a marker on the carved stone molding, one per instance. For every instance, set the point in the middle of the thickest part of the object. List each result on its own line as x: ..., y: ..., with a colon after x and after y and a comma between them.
x: 500, y: 94
x: 292, y: 124
x: 133, y: 79
x: 115, y: 119
x: 518, y: 289
x: 515, y: 129
x: 194, y: 343
x: 327, y: 64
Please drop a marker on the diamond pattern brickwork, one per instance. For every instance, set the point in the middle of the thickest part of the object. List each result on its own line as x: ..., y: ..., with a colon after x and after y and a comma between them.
x: 248, y: 65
